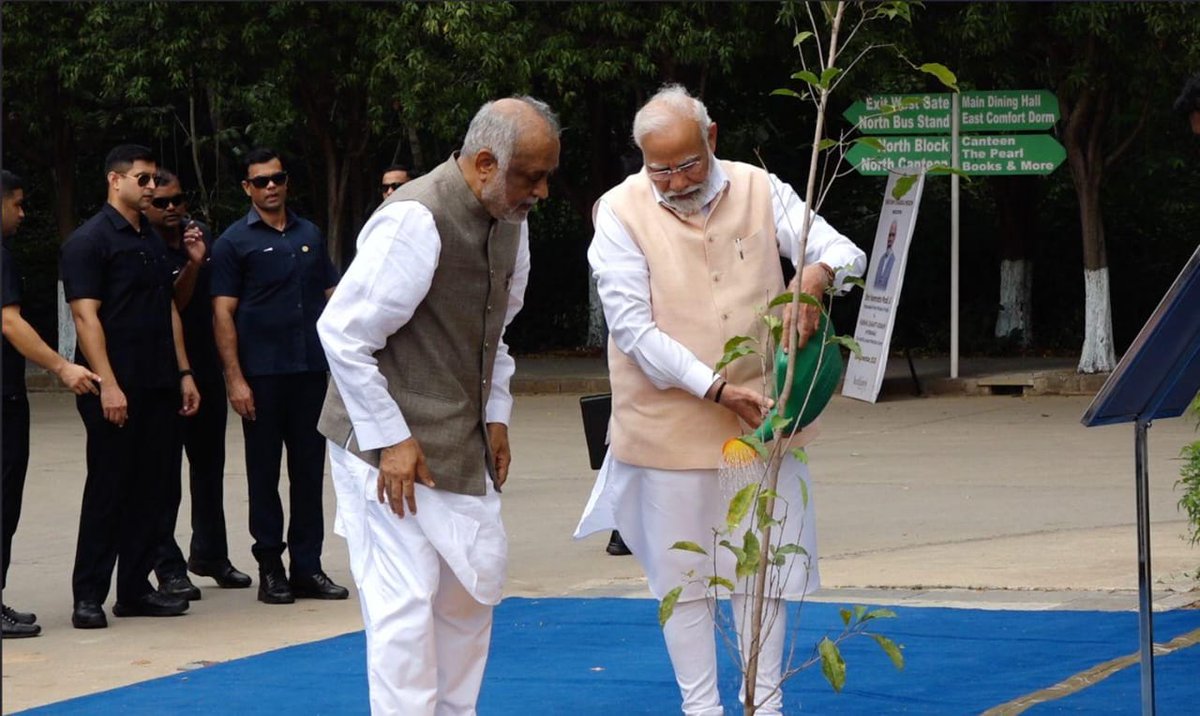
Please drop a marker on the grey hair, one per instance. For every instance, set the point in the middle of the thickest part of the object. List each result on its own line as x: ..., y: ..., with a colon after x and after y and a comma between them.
x: 497, y: 131
x: 670, y: 103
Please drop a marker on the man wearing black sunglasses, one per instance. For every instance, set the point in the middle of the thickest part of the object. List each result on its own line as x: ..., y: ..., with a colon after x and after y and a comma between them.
x: 394, y: 177
x: 203, y: 434
x: 118, y: 283
x: 271, y: 277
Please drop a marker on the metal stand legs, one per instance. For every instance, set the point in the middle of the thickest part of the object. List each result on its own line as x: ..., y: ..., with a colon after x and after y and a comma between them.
x: 1145, y: 606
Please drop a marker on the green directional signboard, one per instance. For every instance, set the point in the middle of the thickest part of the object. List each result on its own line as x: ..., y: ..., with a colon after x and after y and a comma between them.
x: 991, y: 111
x: 901, y: 114
x: 983, y: 155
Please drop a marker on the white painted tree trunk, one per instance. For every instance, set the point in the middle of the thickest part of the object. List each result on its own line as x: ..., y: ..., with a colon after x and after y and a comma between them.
x: 597, y: 335
x: 1016, y: 293
x: 1098, y: 355
x: 66, y: 326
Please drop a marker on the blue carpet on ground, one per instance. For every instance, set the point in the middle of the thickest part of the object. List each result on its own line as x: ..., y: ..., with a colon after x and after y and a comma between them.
x: 606, y: 656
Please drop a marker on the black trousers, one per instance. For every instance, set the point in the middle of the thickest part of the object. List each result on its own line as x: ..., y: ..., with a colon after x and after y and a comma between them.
x: 15, y: 458
x: 286, y: 408
x: 203, y: 437
x: 124, y: 496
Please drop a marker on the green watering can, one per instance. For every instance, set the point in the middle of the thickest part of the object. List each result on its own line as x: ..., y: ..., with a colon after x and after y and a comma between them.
x: 819, y: 365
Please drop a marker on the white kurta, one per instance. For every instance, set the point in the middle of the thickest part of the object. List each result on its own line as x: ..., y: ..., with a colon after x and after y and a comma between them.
x: 655, y: 506
x: 398, y: 251
x: 427, y: 581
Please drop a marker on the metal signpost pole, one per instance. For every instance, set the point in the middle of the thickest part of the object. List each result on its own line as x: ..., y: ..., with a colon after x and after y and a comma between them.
x: 954, y: 162
x: 1145, y: 607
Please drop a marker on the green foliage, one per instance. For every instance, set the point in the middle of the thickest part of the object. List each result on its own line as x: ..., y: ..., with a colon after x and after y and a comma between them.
x: 833, y: 666
x: 762, y: 513
x: 376, y: 81
x: 1189, y: 480
x: 749, y: 555
x: 806, y: 76
x: 891, y: 649
x: 778, y: 422
x: 904, y: 185
x: 894, y: 9
x: 740, y: 505
x: 944, y: 169
x: 666, y: 607
x: 872, y: 142
x: 786, y: 298
x: 790, y: 548
x: 763, y: 451
x: 774, y: 327
x: 689, y: 547
x: 735, y: 348
x: 716, y: 581
x: 942, y: 73
x: 848, y: 343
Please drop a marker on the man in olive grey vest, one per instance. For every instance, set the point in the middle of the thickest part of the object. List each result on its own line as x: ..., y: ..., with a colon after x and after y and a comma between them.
x: 417, y: 412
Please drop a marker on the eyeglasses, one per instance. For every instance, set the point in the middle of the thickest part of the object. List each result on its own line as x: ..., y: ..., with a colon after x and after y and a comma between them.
x: 261, y: 182
x: 143, y: 178
x: 161, y: 202
x: 664, y: 174
x: 391, y: 186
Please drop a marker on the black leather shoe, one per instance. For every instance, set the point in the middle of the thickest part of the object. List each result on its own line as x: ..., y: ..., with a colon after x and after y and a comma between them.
x: 13, y: 629
x: 317, y: 586
x: 224, y: 573
x: 616, y: 546
x: 273, y: 587
x: 151, y: 604
x: 18, y: 617
x: 178, y: 585
x: 88, y: 615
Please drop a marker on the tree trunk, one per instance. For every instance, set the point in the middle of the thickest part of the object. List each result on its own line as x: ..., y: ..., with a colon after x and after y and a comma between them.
x: 1015, y: 318
x: 194, y: 137
x: 1016, y: 215
x: 597, y: 334
x: 1097, y: 354
x: 333, y: 197
x: 418, y: 153
x: 218, y: 126
x: 1086, y: 116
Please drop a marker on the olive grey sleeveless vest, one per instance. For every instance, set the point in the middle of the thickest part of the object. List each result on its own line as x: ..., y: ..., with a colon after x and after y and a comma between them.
x: 438, y: 366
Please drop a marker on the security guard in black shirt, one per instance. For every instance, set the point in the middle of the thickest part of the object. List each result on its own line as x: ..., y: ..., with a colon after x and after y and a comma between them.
x: 118, y: 282
x: 21, y: 341
x: 271, y: 276
x: 188, y: 244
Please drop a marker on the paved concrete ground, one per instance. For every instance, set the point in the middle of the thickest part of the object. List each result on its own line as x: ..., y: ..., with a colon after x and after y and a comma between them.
x: 981, y: 501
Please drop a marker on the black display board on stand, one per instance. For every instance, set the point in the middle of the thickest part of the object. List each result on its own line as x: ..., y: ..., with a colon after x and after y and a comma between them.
x: 1157, y: 378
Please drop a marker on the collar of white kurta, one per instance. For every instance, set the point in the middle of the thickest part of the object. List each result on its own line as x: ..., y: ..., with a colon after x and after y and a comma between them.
x: 717, y: 183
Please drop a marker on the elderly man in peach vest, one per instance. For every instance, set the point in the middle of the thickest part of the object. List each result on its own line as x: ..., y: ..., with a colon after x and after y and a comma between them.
x: 686, y: 252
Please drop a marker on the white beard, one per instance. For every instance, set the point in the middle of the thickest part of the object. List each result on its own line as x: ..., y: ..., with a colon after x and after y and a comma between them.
x: 687, y: 205
x: 691, y: 201
x: 495, y: 195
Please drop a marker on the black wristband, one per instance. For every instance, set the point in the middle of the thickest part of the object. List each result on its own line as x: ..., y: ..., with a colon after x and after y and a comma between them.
x: 185, y: 373
x: 717, y: 397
